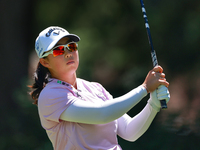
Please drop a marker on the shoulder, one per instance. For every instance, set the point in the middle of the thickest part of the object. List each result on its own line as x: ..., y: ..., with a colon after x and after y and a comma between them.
x: 55, y: 96
x: 51, y: 86
x: 88, y: 84
x: 53, y: 90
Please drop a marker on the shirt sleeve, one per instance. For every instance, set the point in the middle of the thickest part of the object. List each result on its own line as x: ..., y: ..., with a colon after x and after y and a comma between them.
x: 53, y: 101
x: 132, y: 128
x: 101, y: 113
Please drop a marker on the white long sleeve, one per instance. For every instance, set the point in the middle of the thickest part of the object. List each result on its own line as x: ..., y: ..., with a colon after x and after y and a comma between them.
x: 132, y: 128
x: 100, y: 113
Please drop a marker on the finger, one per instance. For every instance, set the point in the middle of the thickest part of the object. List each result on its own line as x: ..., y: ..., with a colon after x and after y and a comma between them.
x: 162, y: 88
x: 159, y: 75
x: 163, y: 82
x: 162, y: 75
x: 158, y: 69
x: 163, y: 93
x: 166, y: 97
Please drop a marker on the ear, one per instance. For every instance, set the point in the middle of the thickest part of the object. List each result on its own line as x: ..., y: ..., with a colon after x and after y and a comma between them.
x: 44, y: 62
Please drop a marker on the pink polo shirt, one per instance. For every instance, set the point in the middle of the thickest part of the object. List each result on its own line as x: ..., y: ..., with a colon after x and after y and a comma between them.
x: 64, y: 135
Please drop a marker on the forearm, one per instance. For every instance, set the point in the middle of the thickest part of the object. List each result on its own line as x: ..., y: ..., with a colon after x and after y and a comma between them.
x: 132, y: 128
x: 91, y: 113
x: 121, y: 105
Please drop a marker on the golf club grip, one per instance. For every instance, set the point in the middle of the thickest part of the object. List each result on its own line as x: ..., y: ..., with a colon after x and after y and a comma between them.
x: 155, y: 63
x: 153, y: 53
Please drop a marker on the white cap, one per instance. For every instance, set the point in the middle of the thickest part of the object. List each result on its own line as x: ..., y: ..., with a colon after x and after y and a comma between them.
x: 49, y: 37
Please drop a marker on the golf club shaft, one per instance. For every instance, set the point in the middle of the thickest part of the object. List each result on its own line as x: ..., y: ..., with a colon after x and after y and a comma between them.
x: 153, y: 52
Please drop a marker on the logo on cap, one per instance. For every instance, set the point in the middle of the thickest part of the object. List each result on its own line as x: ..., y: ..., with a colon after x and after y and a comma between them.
x: 57, y: 33
x: 53, y: 29
x: 37, y: 47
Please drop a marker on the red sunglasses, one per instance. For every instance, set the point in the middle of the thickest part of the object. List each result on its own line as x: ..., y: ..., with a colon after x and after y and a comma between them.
x: 60, y: 49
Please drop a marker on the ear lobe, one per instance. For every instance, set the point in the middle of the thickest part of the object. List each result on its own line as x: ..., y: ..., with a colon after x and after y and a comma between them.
x: 44, y: 62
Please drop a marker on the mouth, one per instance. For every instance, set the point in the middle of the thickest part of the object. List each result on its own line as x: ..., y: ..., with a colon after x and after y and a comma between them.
x: 70, y: 62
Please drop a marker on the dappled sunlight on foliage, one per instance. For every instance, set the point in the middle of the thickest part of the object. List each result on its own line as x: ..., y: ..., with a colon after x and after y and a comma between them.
x: 114, y: 51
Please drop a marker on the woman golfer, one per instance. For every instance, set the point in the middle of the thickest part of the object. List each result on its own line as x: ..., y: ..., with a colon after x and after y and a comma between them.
x: 82, y: 115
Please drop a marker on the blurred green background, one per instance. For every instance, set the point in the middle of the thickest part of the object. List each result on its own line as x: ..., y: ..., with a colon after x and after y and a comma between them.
x: 114, y: 51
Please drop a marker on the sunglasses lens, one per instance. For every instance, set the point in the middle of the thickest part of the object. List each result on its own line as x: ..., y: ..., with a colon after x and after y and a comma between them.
x: 58, y: 51
x: 72, y: 47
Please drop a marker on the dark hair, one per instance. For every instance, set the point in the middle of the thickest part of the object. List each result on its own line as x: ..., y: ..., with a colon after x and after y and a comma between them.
x: 41, y: 75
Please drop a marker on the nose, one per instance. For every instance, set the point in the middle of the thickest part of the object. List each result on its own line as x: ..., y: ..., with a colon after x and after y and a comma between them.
x: 68, y: 54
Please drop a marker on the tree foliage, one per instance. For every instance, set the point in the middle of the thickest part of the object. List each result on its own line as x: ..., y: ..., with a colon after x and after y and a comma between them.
x: 114, y: 51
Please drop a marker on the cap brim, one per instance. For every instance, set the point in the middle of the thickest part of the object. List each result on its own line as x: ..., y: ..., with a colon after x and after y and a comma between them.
x: 74, y: 37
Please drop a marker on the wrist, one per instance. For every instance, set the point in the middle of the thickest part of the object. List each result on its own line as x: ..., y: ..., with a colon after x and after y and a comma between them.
x: 154, y: 102
x: 145, y: 86
x: 153, y: 105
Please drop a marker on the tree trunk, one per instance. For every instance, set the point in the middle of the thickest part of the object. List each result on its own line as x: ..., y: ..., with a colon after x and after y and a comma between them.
x: 15, y: 34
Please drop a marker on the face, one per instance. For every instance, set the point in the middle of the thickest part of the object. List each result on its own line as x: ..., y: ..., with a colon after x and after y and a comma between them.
x: 62, y: 65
